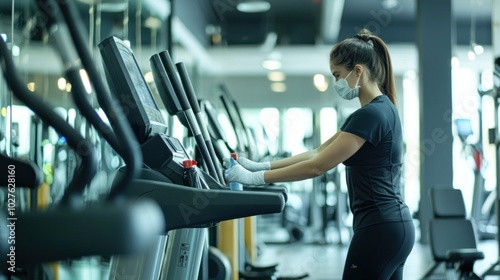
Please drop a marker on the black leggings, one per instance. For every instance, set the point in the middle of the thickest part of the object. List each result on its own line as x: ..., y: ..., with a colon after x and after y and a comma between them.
x: 379, y: 251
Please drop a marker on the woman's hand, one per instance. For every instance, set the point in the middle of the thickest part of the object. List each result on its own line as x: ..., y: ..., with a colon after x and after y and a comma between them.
x: 239, y: 174
x: 250, y: 165
x: 254, y: 166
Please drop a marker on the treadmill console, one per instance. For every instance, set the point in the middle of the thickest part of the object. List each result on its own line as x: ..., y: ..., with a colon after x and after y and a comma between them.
x: 127, y: 83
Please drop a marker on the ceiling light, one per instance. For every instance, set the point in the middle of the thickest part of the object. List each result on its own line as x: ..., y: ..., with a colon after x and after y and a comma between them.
x: 68, y: 87
x: 152, y: 23
x: 471, y: 54
x: 278, y: 87
x: 275, y: 76
x: 61, y: 83
x: 271, y: 64
x: 31, y: 86
x: 253, y: 6
x: 478, y: 49
x: 148, y: 76
x: 320, y: 82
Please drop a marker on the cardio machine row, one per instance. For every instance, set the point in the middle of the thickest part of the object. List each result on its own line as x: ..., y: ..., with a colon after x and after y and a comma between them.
x: 143, y: 206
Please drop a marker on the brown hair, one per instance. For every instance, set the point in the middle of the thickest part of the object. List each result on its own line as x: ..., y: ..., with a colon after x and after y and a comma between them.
x: 369, y: 50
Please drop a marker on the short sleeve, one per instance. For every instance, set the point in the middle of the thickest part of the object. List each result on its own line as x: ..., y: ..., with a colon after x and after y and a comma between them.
x: 367, y: 124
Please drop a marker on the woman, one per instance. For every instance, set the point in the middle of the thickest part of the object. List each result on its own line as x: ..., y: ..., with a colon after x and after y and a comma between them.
x: 370, y: 145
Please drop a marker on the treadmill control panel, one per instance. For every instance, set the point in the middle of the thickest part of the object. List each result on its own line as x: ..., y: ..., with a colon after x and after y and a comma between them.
x: 165, y: 154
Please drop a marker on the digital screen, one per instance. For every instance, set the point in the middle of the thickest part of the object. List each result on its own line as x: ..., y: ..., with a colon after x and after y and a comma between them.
x: 137, y: 78
x: 127, y: 83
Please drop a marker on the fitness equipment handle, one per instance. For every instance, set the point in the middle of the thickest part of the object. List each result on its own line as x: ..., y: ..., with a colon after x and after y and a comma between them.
x: 189, y: 207
x: 82, y: 146
x: 105, y: 229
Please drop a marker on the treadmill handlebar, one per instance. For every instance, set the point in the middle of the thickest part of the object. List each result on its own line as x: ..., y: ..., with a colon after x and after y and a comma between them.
x: 188, y: 87
x: 174, y: 79
x: 165, y: 87
x: 214, y: 185
x: 189, y: 207
x: 103, y: 229
x: 28, y: 174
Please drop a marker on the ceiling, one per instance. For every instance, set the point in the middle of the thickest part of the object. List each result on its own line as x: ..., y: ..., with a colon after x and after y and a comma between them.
x: 228, y: 46
x: 310, y: 22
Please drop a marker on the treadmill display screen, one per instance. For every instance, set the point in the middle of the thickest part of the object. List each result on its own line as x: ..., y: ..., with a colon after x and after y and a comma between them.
x: 128, y: 85
x: 137, y: 78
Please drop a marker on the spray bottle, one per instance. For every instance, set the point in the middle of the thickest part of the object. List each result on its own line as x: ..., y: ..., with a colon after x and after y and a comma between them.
x: 235, y: 186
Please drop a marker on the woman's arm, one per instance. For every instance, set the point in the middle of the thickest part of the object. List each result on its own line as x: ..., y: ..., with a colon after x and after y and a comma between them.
x: 303, y: 156
x: 314, y: 163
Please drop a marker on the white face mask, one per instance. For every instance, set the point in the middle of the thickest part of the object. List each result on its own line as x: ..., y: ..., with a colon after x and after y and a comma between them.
x: 343, y: 90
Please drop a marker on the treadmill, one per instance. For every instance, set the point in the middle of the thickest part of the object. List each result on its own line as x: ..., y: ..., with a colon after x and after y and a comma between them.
x: 69, y: 229
x: 162, y: 179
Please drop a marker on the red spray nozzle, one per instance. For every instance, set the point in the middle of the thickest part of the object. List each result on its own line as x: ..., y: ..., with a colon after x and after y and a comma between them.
x: 234, y: 156
x: 189, y: 163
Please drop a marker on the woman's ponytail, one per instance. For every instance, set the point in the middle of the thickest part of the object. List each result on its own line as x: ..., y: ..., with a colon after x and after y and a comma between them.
x: 388, y: 85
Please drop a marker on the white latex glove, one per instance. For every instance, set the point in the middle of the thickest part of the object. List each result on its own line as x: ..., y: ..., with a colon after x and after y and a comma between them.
x: 250, y: 165
x: 239, y: 174
x: 254, y: 166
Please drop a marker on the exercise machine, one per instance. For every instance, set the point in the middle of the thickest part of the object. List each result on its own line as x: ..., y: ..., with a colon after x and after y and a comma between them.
x: 59, y: 229
x: 163, y: 171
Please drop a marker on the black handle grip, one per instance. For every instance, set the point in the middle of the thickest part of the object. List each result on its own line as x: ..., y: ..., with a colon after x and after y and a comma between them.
x: 188, y: 87
x: 66, y: 233
x: 164, y: 85
x: 174, y: 79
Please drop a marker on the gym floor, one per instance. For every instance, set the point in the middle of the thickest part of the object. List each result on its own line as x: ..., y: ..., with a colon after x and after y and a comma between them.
x: 319, y: 259
x: 324, y: 261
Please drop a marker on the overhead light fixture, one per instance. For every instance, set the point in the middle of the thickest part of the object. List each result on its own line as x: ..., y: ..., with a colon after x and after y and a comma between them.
x: 148, y: 76
x: 278, y: 87
x: 272, y: 61
x: 275, y: 76
x: 31, y: 86
x: 471, y: 55
x: 61, y: 83
x: 320, y: 82
x: 152, y: 23
x: 68, y: 87
x: 478, y: 49
x: 253, y: 6
x: 271, y: 64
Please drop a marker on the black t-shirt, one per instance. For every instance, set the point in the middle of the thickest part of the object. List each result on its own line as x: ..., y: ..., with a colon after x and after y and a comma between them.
x: 373, y: 173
